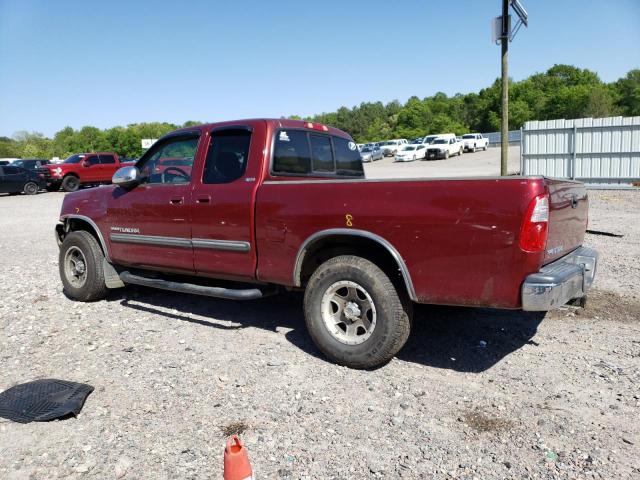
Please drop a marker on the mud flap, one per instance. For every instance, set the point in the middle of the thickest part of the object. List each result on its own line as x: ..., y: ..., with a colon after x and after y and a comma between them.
x: 111, y: 277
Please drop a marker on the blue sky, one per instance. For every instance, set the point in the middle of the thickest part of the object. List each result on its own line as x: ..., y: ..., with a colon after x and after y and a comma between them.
x: 107, y: 63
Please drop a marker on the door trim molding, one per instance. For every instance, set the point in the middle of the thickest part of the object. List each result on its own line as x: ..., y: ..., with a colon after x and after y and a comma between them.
x: 178, y: 242
x: 228, y: 245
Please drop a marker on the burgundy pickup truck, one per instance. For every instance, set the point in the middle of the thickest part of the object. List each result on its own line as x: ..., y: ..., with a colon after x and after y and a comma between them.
x: 81, y: 169
x: 240, y: 209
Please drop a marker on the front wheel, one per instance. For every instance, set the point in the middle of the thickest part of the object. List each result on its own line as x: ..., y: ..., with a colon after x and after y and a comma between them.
x: 446, y: 155
x: 354, y: 314
x: 80, y: 266
x: 71, y: 183
x: 31, y: 188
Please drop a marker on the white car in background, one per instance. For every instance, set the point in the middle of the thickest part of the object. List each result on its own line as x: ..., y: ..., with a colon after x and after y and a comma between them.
x: 411, y: 152
x: 474, y: 141
x: 391, y: 147
x: 444, y: 146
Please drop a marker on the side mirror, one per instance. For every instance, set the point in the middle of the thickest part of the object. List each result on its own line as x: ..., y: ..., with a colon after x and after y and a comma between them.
x: 127, y: 177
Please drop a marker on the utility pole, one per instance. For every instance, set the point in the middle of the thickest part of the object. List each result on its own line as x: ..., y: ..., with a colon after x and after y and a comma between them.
x: 503, y: 32
x: 504, y: 128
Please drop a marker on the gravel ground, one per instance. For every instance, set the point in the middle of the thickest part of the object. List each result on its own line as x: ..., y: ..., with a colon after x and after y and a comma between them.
x: 475, y: 393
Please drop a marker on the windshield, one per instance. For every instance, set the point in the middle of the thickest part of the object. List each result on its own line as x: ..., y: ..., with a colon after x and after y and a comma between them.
x: 367, y: 149
x: 468, y: 136
x: 74, y: 159
x: 409, y: 148
x: 439, y: 141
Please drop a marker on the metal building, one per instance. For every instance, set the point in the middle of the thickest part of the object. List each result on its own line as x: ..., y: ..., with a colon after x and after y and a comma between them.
x: 593, y: 150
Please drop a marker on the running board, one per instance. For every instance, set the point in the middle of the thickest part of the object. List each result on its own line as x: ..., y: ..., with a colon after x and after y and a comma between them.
x: 218, y: 292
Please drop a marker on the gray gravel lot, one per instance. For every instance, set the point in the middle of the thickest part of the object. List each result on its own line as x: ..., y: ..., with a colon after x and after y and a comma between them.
x: 478, y: 164
x: 474, y: 394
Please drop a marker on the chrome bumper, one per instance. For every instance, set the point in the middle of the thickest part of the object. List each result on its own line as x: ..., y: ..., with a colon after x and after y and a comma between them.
x: 565, y: 279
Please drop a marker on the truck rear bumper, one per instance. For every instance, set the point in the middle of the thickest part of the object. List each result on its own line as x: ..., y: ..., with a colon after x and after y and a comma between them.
x: 558, y: 282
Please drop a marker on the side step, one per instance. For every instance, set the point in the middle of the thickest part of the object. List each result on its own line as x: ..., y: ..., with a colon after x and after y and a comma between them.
x: 218, y: 292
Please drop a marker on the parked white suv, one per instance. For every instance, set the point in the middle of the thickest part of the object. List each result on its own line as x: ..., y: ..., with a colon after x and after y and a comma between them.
x: 444, y: 146
x: 391, y: 147
x: 474, y: 141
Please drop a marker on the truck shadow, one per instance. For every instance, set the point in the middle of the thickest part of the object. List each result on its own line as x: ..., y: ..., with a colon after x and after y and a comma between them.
x: 467, y: 339
x: 454, y: 338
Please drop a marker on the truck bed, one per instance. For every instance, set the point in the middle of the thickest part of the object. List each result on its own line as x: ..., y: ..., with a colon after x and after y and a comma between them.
x: 457, y: 237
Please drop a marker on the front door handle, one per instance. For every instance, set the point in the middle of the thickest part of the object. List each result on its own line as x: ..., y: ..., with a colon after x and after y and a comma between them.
x: 177, y: 200
x: 203, y: 199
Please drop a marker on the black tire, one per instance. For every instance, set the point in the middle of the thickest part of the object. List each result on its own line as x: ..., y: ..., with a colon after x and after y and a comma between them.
x: 393, y: 315
x: 30, y: 188
x: 93, y: 287
x: 485, y: 148
x: 446, y: 155
x: 460, y: 152
x: 70, y: 183
x: 473, y: 150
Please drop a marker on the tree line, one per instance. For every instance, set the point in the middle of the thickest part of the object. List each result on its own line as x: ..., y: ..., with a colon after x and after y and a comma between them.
x: 563, y: 91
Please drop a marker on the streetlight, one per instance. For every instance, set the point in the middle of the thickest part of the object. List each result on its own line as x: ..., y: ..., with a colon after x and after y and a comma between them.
x: 503, y: 31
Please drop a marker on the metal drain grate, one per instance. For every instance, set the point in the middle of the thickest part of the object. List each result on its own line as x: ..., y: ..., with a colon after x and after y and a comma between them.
x: 43, y: 400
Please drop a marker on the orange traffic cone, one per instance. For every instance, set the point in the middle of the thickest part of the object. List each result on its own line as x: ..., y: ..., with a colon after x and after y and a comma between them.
x: 236, y: 461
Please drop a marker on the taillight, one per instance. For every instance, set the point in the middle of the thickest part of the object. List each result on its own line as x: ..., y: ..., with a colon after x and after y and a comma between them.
x: 317, y: 126
x: 535, y: 226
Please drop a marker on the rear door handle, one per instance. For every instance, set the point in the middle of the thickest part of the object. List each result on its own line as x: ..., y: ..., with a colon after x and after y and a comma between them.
x: 177, y: 200
x: 203, y: 199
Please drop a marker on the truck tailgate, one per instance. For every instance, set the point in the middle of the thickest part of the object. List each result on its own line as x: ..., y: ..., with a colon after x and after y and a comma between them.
x: 568, y: 212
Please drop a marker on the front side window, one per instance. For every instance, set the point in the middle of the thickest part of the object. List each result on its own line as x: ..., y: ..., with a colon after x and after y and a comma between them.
x: 227, y: 156
x: 107, y: 159
x: 92, y: 159
x: 74, y: 159
x: 169, y: 161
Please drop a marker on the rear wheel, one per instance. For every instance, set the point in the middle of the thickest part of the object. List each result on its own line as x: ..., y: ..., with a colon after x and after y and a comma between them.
x: 485, y: 148
x: 80, y: 266
x: 460, y: 152
x: 31, y: 188
x: 354, y: 313
x: 71, y: 183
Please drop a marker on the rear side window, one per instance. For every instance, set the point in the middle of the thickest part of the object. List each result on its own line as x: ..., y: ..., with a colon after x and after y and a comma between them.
x: 321, y: 153
x: 12, y: 170
x: 227, y: 156
x: 348, y: 160
x: 298, y: 152
x: 106, y: 159
x: 291, y: 153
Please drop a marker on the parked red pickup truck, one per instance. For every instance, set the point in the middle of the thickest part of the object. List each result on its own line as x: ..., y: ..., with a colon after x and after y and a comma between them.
x: 284, y: 203
x: 81, y: 169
